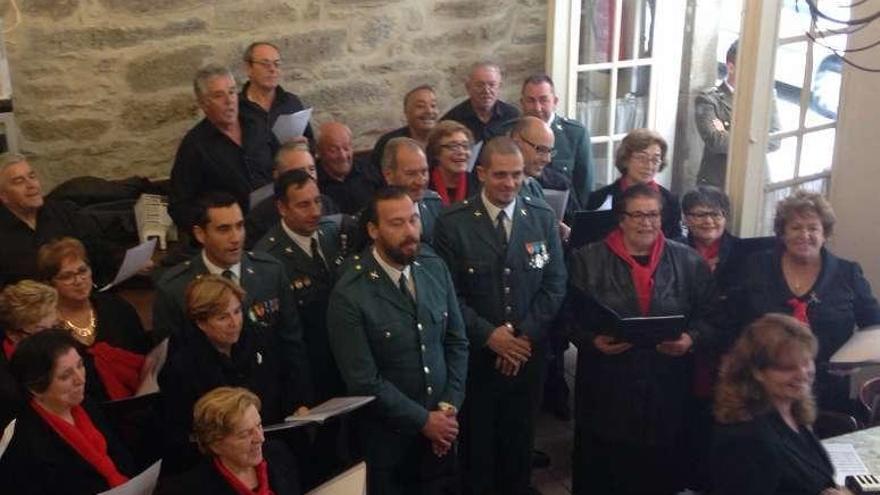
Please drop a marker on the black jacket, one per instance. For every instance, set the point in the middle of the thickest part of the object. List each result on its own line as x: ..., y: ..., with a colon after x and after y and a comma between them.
x: 195, y: 367
x: 671, y: 207
x: 840, y: 302
x: 637, y: 396
x: 206, y: 480
x: 766, y: 457
x: 40, y: 462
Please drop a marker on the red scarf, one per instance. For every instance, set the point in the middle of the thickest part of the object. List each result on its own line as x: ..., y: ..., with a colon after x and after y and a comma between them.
x: 624, y: 184
x: 799, y: 309
x: 263, y: 487
x: 642, y: 276
x: 85, y: 439
x: 440, y: 187
x: 8, y: 348
x: 710, y: 254
x: 118, y: 369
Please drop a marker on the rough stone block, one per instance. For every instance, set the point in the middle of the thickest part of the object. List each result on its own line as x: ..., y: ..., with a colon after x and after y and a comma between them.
x: 56, y: 9
x: 373, y: 32
x: 147, y: 115
x: 313, y: 47
x: 166, y: 70
x: 252, y: 16
x: 78, y: 129
x: 468, y: 9
x: 348, y: 95
x: 148, y: 6
x: 100, y: 38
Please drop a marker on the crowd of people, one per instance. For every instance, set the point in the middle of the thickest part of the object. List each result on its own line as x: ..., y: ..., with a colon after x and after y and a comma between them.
x: 432, y: 275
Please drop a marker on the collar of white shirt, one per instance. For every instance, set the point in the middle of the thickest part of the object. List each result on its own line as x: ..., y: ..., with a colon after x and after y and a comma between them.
x: 304, y: 242
x: 216, y: 270
x: 494, y: 210
x: 394, y: 273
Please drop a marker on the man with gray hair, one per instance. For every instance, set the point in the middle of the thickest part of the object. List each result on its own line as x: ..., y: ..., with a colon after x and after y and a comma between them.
x: 482, y: 110
x: 222, y: 152
x: 27, y: 221
x: 404, y: 165
x: 420, y: 109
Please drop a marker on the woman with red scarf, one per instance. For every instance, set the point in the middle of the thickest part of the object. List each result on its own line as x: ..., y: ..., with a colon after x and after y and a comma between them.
x: 228, y: 429
x: 803, y: 279
x: 639, y: 158
x: 448, y: 151
x: 630, y: 399
x: 107, y: 326
x: 60, y: 445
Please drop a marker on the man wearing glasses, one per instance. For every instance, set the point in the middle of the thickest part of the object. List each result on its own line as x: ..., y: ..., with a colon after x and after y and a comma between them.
x: 482, y: 110
x: 262, y: 99
x: 572, y: 157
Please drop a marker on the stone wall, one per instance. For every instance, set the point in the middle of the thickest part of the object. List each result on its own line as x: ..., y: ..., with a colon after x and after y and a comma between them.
x: 103, y: 87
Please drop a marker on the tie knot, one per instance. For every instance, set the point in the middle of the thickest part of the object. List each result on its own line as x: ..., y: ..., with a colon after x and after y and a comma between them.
x: 228, y: 274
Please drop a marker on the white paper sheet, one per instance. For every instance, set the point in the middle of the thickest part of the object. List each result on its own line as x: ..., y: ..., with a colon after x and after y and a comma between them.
x: 332, y: 407
x: 557, y: 200
x: 136, y: 258
x: 291, y: 125
x: 846, y: 461
x: 475, y: 153
x: 258, y: 195
x: 862, y: 348
x: 142, y: 484
x: 351, y: 482
x: 607, y: 205
x: 8, y: 433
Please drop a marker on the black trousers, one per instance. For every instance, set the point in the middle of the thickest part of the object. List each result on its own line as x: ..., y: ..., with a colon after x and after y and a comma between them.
x: 420, y: 472
x: 498, y: 424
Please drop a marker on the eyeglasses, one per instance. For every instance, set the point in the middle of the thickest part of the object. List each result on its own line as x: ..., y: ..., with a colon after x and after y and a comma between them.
x: 267, y: 64
x: 645, y: 158
x: 540, y: 149
x: 703, y: 215
x: 70, y: 277
x: 486, y: 85
x: 456, y: 146
x: 639, y: 216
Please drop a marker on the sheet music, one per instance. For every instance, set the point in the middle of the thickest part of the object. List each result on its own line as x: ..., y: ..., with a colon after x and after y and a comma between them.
x: 862, y: 348
x: 8, y: 433
x: 136, y: 258
x: 607, y: 205
x: 142, y: 484
x: 557, y: 200
x: 846, y: 461
x: 291, y: 125
x: 258, y: 195
x: 332, y: 407
x: 351, y: 482
x: 475, y: 154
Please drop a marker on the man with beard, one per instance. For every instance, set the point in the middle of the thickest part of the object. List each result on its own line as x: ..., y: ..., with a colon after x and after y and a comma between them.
x: 405, y: 165
x: 505, y: 256
x: 482, y: 110
x: 397, y: 333
x: 420, y: 109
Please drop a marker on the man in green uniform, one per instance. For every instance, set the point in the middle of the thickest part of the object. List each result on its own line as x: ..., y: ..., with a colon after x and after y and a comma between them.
x: 268, y: 304
x: 397, y: 333
x: 404, y: 165
x: 505, y: 256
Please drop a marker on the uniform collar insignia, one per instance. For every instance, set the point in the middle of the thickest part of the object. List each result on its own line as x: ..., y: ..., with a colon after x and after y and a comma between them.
x: 374, y: 275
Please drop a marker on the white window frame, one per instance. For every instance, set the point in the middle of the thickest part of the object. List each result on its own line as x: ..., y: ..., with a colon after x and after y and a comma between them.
x: 563, y: 46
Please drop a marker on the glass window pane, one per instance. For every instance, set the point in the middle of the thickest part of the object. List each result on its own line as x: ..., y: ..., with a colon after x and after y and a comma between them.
x: 601, y: 160
x: 780, y: 163
x: 818, y: 150
x: 794, y: 18
x: 592, y: 101
x: 597, y: 25
x: 791, y: 61
x: 633, y: 88
x: 636, y: 28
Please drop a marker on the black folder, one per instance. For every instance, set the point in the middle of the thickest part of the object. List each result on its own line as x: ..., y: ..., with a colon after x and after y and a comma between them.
x: 590, y: 226
x: 643, y: 331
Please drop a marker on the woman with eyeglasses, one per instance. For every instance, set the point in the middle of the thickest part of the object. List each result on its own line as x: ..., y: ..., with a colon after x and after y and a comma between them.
x: 639, y: 158
x: 448, y: 151
x: 107, y: 326
x: 802, y: 278
x: 26, y: 308
x: 631, y: 397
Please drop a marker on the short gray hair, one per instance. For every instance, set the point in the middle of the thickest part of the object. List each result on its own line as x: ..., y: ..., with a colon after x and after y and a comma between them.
x: 8, y: 159
x: 484, y: 64
x: 389, y: 156
x: 206, y: 73
x: 290, y: 146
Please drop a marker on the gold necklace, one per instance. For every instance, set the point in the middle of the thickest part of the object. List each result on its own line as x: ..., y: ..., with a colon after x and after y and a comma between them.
x: 86, y: 334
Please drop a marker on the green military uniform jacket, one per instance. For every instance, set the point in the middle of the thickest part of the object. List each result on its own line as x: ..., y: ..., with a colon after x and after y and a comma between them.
x: 429, y: 210
x: 524, y: 286
x: 409, y: 358
x: 532, y: 188
x: 311, y: 290
x: 268, y: 305
x: 574, y: 157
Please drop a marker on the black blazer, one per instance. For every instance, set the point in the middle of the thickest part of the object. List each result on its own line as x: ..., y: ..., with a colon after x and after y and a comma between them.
x: 206, y: 480
x: 39, y: 461
x: 766, y: 457
x: 671, y: 221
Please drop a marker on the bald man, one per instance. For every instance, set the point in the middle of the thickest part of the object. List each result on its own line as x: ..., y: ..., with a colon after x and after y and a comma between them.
x: 349, y: 184
x: 293, y: 155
